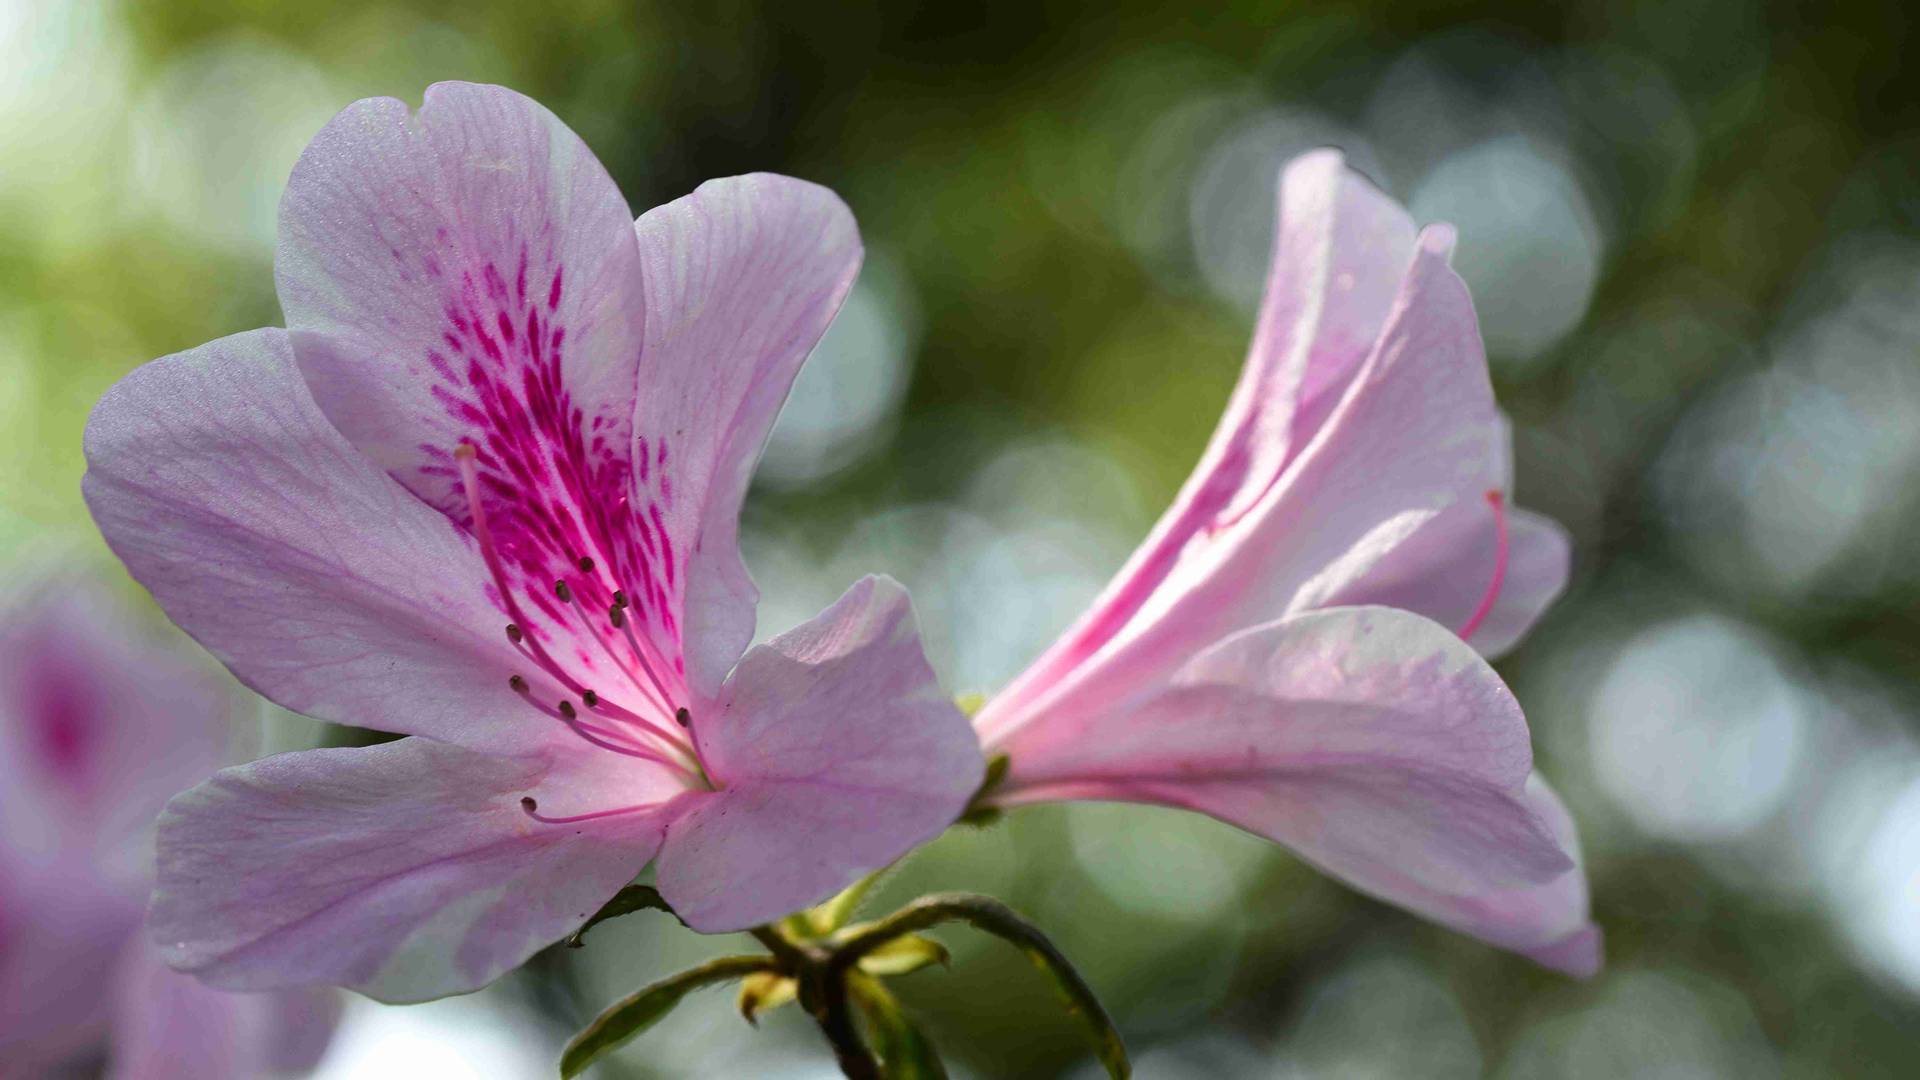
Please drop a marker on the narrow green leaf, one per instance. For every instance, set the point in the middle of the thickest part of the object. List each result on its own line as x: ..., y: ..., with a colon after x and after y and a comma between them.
x: 904, y: 955
x: 986, y: 913
x: 832, y: 915
x: 625, y: 902
x: 904, y: 1052
x: 639, y: 1011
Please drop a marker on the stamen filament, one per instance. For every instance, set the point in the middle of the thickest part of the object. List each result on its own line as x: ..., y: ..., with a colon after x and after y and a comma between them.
x: 532, y: 809
x: 1500, y: 553
x: 618, y: 617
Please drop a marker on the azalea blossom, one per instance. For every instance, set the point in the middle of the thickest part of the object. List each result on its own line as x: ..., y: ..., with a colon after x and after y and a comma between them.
x: 1293, y: 648
x: 97, y: 729
x: 483, y: 491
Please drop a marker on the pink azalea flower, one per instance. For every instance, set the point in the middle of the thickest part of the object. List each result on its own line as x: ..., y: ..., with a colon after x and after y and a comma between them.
x: 484, y: 491
x: 97, y: 729
x: 1293, y: 648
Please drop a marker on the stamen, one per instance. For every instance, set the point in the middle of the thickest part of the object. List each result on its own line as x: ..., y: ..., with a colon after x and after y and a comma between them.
x: 633, y: 741
x: 683, y: 717
x: 532, y: 810
x: 659, y: 700
x: 618, y: 617
x: 1501, y: 541
x: 598, y: 736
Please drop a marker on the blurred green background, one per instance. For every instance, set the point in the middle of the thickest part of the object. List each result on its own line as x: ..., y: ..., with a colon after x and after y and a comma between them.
x: 1693, y: 234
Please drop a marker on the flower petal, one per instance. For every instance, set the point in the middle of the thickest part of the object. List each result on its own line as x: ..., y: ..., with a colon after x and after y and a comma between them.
x: 742, y: 278
x: 62, y: 929
x: 1446, y: 568
x: 406, y: 870
x: 316, y: 578
x: 837, y: 753
x: 1415, y: 433
x: 98, y: 728
x: 1371, y: 741
x: 1340, y: 251
x: 168, y: 1025
x: 469, y: 276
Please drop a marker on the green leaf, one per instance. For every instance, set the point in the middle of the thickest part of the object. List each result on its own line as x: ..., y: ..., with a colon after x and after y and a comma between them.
x: 625, y: 902
x: 832, y: 915
x: 986, y: 913
x: 904, y: 1053
x: 639, y: 1011
x: 903, y: 955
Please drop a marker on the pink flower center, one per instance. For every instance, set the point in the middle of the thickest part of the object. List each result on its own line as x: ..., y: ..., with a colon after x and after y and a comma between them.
x: 1501, y: 541
x: 591, y: 607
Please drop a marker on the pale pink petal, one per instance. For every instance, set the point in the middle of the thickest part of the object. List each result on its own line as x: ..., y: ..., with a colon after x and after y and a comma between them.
x: 468, y: 276
x: 314, y: 576
x: 1448, y: 567
x: 1415, y: 433
x: 169, y: 1026
x: 1340, y: 251
x: 98, y: 727
x: 742, y: 278
x: 408, y: 870
x: 62, y: 929
x: 466, y: 273
x: 1371, y: 741
x: 836, y: 752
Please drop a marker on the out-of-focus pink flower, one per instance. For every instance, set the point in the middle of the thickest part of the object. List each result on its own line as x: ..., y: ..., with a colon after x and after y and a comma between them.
x: 1293, y: 648
x: 484, y: 490
x: 97, y: 730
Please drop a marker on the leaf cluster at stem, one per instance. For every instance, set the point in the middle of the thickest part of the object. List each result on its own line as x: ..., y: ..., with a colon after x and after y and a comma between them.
x: 837, y: 972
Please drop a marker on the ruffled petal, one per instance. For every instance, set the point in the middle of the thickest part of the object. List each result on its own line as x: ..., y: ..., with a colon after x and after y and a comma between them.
x: 836, y: 752
x: 468, y: 277
x: 742, y: 278
x: 314, y: 576
x: 407, y: 870
x: 1371, y: 741
x: 169, y: 1026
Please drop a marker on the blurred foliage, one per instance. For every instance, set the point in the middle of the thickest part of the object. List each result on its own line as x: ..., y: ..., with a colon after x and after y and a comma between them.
x: 1722, y: 419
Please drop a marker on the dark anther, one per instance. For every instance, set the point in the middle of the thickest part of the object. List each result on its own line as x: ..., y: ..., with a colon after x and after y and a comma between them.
x: 528, y: 804
x: 560, y: 590
x: 586, y: 565
x: 514, y: 633
x: 617, y: 617
x: 566, y: 709
x: 684, y: 717
x: 590, y: 698
x: 619, y: 598
x: 519, y: 684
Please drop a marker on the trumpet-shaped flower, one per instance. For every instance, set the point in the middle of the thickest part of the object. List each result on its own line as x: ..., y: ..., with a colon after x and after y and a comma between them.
x: 1293, y: 648
x: 484, y: 491
x: 97, y: 730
